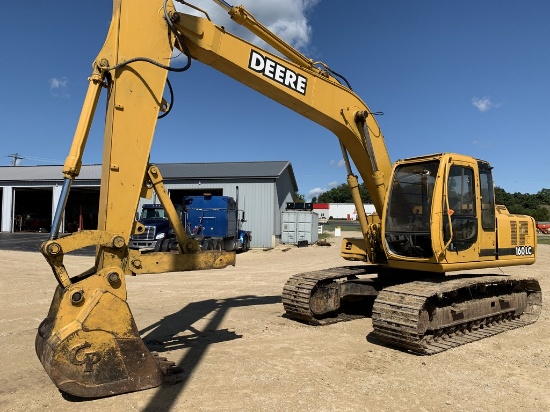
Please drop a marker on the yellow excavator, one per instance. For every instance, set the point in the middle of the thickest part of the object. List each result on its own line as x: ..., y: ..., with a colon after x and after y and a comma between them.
x: 435, y: 214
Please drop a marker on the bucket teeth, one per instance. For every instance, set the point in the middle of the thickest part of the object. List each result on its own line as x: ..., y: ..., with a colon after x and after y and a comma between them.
x: 94, y: 349
x: 172, y: 374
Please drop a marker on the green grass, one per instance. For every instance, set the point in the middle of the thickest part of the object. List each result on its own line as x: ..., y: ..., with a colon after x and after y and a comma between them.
x: 544, y: 239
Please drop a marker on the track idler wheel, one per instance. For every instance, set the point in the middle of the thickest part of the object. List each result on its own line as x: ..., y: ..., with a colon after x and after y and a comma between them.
x: 325, y: 298
x: 89, y: 344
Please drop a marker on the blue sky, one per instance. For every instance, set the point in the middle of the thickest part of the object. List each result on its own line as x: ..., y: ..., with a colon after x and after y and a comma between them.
x: 468, y: 76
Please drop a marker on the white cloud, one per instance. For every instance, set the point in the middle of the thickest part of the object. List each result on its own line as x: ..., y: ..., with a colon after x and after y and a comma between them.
x: 286, y: 18
x: 59, y: 86
x: 484, y: 104
x: 339, y: 163
x: 318, y: 190
x: 480, y: 143
x: 315, y: 193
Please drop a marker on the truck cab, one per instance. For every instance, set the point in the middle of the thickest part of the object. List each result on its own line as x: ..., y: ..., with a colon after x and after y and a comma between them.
x: 322, y: 219
x: 157, y: 227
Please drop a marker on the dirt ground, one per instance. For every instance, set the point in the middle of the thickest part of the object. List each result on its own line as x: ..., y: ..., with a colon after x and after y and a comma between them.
x: 226, y: 328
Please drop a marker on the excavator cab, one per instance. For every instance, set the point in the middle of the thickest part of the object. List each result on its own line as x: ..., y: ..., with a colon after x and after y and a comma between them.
x: 432, y: 231
x: 441, y: 216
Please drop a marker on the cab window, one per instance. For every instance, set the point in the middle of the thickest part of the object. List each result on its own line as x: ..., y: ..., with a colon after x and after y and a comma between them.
x: 460, y: 217
x: 487, y: 199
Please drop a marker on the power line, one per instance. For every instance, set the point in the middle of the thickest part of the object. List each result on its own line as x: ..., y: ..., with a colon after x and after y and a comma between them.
x: 43, y: 160
x: 15, y: 157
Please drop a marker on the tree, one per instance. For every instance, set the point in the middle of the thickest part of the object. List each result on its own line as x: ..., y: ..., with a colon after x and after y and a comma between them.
x: 342, y: 194
x: 299, y: 198
x: 524, y: 203
x: 544, y: 196
x: 338, y: 194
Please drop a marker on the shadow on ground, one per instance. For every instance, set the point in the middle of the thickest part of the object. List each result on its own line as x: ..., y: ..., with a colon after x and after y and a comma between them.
x: 176, y: 331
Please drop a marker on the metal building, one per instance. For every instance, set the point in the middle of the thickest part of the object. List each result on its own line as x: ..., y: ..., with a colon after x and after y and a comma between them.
x: 29, y: 194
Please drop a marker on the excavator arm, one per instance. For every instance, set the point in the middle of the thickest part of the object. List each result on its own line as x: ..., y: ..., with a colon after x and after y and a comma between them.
x: 89, y: 344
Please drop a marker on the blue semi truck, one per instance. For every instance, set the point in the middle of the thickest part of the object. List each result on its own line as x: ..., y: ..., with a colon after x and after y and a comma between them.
x: 214, y: 221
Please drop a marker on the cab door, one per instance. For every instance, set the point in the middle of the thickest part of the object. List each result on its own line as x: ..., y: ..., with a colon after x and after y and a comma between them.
x: 461, y: 217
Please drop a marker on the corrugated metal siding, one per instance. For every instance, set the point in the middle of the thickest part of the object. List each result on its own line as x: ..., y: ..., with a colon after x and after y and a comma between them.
x: 285, y: 193
x: 257, y: 201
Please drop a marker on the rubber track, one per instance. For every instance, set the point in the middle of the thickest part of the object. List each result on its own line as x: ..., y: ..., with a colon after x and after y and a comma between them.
x: 397, y: 310
x: 298, y: 289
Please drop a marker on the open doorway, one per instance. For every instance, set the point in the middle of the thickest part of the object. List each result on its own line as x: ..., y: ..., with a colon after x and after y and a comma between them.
x: 82, y: 209
x: 32, y: 209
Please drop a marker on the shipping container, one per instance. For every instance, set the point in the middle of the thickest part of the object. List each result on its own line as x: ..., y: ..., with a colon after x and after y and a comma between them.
x: 299, y: 226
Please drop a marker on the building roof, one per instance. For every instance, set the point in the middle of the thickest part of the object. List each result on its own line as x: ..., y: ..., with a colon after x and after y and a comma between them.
x: 170, y: 171
x: 45, y: 173
x: 225, y: 170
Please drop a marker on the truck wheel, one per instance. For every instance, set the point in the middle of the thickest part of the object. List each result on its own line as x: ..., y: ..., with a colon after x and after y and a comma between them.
x: 246, y: 244
x: 172, y: 245
x: 159, y: 245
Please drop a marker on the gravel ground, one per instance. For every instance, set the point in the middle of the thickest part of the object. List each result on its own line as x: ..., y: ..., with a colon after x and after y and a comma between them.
x: 227, y: 329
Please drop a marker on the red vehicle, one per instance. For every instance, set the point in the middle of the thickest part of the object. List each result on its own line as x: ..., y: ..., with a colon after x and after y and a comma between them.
x: 543, y: 227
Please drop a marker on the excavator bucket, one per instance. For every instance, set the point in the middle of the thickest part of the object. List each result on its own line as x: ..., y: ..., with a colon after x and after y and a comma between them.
x: 89, y: 344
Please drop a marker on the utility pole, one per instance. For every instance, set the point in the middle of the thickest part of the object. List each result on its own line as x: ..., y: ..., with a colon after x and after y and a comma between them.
x: 16, y: 157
